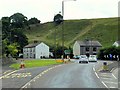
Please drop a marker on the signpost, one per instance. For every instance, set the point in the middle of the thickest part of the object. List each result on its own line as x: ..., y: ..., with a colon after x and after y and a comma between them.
x: 110, y: 56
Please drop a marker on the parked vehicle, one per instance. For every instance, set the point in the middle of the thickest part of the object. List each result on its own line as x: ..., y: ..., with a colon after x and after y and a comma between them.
x: 92, y: 58
x: 76, y: 57
x: 83, y: 59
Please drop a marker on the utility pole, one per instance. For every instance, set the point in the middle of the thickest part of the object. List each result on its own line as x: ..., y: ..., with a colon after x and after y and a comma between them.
x: 63, y: 26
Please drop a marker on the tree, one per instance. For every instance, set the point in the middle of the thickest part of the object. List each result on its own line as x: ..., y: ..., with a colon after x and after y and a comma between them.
x: 58, y: 19
x: 12, y: 48
x: 18, y: 20
x: 107, y: 51
x: 18, y: 36
x: 12, y: 32
x: 9, y: 49
x: 5, y: 27
x: 33, y: 21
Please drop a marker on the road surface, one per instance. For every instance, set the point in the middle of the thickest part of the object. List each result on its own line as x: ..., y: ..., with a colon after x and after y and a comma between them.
x: 71, y: 75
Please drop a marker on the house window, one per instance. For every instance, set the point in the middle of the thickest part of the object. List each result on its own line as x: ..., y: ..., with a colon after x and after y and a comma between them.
x: 27, y: 55
x: 30, y: 49
x: 33, y: 49
x: 34, y: 56
x: 94, y: 49
x: 87, y: 48
x: 27, y: 49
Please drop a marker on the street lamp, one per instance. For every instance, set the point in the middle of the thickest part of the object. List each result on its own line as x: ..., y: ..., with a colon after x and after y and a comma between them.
x: 63, y: 26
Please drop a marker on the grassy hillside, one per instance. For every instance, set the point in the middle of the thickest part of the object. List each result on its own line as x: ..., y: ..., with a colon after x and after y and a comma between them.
x: 104, y: 30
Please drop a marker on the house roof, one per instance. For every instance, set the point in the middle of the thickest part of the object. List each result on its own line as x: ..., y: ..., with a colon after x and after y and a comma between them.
x: 89, y: 43
x: 118, y: 42
x: 31, y: 45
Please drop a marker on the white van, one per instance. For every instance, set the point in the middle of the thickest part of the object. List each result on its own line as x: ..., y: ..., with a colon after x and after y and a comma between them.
x: 92, y: 58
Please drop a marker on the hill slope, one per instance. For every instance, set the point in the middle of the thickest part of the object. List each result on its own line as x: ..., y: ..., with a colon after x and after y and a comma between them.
x: 105, y: 30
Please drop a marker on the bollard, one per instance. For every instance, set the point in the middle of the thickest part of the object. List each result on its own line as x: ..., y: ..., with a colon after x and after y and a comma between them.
x: 105, y: 67
x: 22, y: 65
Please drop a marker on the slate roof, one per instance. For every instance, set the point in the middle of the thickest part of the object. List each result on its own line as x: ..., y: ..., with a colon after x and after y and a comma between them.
x: 118, y: 42
x: 89, y: 43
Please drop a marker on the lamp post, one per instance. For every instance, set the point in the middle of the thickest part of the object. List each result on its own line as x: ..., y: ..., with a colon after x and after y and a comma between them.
x: 63, y: 26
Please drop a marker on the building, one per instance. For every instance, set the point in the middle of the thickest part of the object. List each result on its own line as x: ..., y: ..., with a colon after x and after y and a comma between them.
x: 86, y: 48
x: 36, y: 51
x: 116, y: 43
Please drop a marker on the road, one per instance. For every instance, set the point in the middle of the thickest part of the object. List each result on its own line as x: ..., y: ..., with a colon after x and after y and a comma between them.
x: 72, y: 75
x: 69, y: 76
x: 21, y: 77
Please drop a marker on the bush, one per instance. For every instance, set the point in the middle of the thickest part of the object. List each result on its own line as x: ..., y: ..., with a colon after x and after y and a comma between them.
x: 104, y: 53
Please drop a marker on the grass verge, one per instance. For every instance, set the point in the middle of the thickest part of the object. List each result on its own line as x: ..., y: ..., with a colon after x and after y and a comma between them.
x: 35, y: 63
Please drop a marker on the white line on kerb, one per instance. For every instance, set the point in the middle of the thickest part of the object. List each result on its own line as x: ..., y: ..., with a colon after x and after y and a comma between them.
x: 96, y: 75
x: 104, y: 84
x: 114, y: 76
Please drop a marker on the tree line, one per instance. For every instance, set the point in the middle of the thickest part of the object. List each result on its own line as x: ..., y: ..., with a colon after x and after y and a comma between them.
x: 13, y: 38
x: 108, y: 53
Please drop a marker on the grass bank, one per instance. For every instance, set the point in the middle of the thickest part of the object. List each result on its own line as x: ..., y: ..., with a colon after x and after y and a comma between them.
x: 104, y: 30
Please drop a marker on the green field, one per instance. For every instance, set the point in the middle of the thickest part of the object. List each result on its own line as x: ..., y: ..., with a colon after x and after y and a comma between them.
x: 105, y: 30
x: 35, y: 63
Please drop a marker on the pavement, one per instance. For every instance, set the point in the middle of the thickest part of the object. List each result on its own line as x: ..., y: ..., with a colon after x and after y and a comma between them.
x: 108, y: 77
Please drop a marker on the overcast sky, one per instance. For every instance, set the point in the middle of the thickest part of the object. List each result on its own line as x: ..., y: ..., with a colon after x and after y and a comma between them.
x: 45, y: 10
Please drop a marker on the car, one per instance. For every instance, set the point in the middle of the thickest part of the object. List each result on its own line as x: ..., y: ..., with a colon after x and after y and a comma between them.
x: 92, y: 58
x: 83, y: 59
x: 76, y: 57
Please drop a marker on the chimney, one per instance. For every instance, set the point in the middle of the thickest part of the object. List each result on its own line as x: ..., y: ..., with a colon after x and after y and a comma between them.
x: 35, y: 41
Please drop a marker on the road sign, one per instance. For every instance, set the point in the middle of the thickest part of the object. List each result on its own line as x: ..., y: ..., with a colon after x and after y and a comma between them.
x: 110, y: 55
x: 67, y: 51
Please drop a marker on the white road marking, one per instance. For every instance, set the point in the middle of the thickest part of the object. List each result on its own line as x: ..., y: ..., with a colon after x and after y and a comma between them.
x: 40, y: 75
x: 112, y: 70
x: 111, y: 82
x: 104, y: 84
x: 112, y: 87
x: 36, y: 77
x: 7, y: 71
x: 18, y: 75
x: 8, y: 74
x: 107, y: 78
x: 114, y: 76
x: 93, y: 69
x: 96, y: 75
x: 104, y: 75
x: 28, y: 84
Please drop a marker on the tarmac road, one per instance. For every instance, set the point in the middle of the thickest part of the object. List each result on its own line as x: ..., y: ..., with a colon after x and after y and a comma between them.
x: 72, y: 75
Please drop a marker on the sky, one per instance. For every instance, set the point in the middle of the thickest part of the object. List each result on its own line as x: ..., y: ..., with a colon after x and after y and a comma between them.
x: 45, y: 10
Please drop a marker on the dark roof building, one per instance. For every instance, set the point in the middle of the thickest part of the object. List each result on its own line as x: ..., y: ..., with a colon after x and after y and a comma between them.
x: 89, y: 43
x: 86, y: 47
x: 116, y: 43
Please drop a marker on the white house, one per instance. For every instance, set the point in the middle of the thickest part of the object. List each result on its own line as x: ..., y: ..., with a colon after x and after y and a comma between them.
x: 117, y: 43
x: 86, y: 48
x: 36, y: 51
